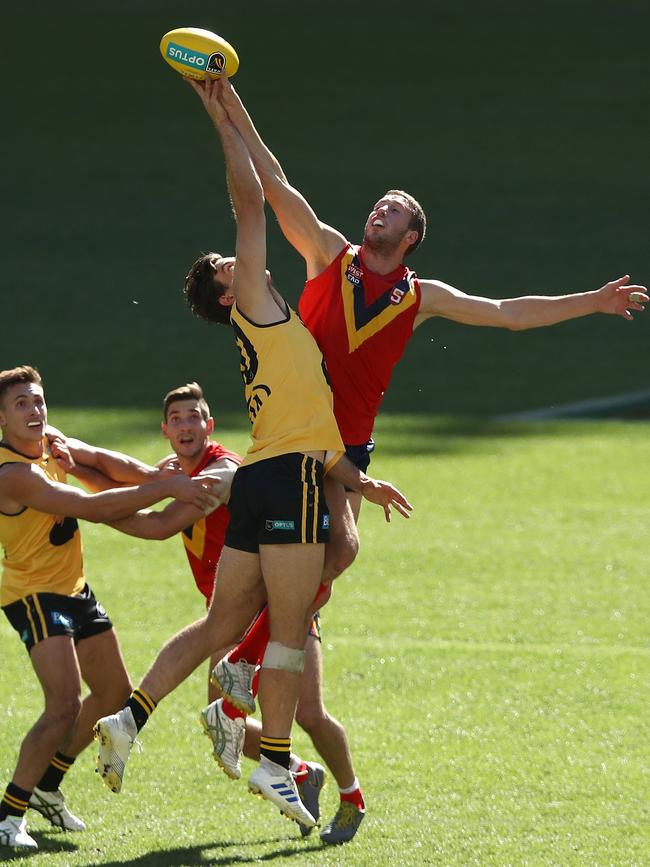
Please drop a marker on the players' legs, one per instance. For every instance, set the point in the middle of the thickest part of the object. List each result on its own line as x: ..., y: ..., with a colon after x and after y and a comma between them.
x: 354, y: 500
x: 55, y: 663
x: 238, y: 595
x: 327, y: 734
x: 103, y: 670
x: 292, y: 574
x: 343, y: 545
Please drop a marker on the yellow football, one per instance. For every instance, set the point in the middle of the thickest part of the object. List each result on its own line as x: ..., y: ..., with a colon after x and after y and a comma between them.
x: 198, y: 53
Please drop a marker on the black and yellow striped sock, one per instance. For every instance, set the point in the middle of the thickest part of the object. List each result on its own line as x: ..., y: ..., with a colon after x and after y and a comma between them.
x: 142, y: 706
x: 277, y: 750
x: 14, y: 802
x: 59, y: 767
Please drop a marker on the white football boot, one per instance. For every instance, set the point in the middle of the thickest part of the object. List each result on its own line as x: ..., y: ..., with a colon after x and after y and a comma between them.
x: 277, y: 785
x: 234, y: 680
x: 13, y: 832
x: 227, y: 736
x: 116, y: 735
x: 52, y: 806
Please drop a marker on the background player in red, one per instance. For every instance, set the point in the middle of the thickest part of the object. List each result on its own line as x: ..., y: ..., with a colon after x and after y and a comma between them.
x: 362, y: 305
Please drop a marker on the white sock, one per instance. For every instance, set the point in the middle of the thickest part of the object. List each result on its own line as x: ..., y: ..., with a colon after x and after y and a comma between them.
x: 350, y: 789
x: 294, y: 763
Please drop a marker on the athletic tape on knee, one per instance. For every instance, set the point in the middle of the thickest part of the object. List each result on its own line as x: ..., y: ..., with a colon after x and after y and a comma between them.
x: 284, y: 658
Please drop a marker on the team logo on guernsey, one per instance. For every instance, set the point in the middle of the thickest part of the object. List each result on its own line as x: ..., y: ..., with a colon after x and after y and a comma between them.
x: 353, y: 274
x: 363, y: 320
x: 64, y: 531
x: 248, y: 362
x: 256, y: 399
x: 326, y: 522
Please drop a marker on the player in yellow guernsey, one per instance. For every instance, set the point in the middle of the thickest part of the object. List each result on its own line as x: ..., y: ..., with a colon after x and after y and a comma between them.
x: 45, y: 597
x: 274, y: 549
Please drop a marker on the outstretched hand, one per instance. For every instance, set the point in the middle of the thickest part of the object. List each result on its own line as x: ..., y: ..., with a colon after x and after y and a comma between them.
x: 385, y: 495
x: 619, y: 297
x: 210, y: 94
x: 200, y: 491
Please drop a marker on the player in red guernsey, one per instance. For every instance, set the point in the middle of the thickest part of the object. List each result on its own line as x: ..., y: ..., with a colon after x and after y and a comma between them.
x: 362, y: 304
x: 204, y: 540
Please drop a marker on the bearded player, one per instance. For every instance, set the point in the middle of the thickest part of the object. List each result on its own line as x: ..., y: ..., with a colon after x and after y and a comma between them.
x: 362, y: 304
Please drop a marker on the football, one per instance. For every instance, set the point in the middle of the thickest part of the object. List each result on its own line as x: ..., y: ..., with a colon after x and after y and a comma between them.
x: 198, y: 53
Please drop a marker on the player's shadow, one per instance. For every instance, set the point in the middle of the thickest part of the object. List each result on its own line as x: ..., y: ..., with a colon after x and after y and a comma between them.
x: 208, y: 854
x: 49, y: 843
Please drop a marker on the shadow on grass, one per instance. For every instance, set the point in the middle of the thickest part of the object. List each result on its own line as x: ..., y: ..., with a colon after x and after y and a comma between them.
x: 51, y: 843
x: 205, y: 854
x: 449, y: 435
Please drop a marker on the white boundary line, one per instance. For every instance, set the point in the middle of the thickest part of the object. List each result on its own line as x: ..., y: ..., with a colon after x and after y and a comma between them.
x: 579, y: 408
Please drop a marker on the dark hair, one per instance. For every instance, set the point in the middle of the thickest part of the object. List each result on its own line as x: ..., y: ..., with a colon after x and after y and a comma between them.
x: 24, y: 373
x: 418, y: 219
x: 202, y: 290
x: 191, y: 391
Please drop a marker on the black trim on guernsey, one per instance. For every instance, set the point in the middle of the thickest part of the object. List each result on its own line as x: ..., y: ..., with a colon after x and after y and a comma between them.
x: 5, y: 445
x: 268, y: 324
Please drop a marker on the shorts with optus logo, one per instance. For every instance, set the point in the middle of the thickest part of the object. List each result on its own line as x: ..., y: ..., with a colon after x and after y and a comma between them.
x: 277, y: 502
x: 43, y: 615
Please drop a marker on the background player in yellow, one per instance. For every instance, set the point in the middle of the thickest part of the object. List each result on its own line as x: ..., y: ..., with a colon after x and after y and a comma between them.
x: 45, y: 597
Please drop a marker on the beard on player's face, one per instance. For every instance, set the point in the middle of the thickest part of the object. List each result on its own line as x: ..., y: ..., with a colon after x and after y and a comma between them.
x: 383, y: 244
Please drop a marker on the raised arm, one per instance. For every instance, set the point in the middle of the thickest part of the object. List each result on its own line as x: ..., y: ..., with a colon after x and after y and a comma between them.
x: 617, y: 297
x: 250, y: 285
x: 25, y: 485
x: 318, y: 243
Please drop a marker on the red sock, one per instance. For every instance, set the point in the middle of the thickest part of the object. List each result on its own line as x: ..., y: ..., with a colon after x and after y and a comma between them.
x: 231, y: 711
x: 301, y: 774
x: 252, y: 646
x: 322, y: 594
x: 355, y: 798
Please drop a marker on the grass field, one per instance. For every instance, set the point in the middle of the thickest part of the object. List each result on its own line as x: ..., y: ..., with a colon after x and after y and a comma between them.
x: 490, y: 659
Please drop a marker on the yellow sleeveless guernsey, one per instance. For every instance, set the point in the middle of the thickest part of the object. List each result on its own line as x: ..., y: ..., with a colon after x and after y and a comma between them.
x: 287, y: 394
x: 43, y: 552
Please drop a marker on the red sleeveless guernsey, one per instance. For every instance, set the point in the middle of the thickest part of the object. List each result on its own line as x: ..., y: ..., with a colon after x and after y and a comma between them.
x: 362, y: 322
x: 204, y: 540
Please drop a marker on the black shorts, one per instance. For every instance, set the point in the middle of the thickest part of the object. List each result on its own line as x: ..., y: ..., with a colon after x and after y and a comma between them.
x: 277, y: 502
x: 43, y: 615
x: 360, y: 455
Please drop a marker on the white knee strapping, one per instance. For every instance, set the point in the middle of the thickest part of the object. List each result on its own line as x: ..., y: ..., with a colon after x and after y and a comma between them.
x: 284, y: 658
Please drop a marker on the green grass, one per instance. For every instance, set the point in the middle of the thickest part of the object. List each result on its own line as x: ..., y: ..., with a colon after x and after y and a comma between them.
x: 490, y: 659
